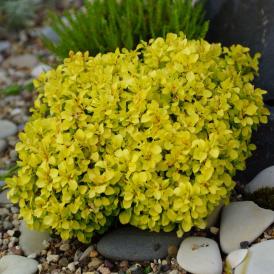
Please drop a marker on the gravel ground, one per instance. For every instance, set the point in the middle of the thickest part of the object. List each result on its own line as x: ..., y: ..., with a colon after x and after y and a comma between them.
x: 69, y: 257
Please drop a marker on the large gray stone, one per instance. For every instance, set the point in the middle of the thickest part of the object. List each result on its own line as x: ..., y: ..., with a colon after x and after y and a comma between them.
x: 250, y: 23
x: 259, y: 259
x: 242, y: 221
x: 7, y: 128
x: 200, y: 255
x: 129, y: 243
x: 13, y: 264
x: 32, y: 241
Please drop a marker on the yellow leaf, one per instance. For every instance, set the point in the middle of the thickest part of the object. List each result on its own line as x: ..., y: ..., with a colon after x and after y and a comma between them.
x: 72, y: 185
x: 251, y: 109
x: 125, y: 216
x: 214, y: 152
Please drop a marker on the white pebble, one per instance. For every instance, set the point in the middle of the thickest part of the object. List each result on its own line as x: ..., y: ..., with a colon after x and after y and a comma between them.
x: 52, y: 258
x: 64, y: 247
x: 71, y: 267
x: 40, y: 268
x: 46, y: 243
x: 10, y: 232
x: 32, y: 256
x: 10, y: 245
x: 214, y: 230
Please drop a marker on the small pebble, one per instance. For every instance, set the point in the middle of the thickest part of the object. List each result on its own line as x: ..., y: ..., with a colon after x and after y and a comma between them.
x: 104, y: 270
x: 10, y: 232
x: 52, y: 258
x: 46, y: 244
x: 164, y: 268
x: 14, y: 209
x: 64, y: 247
x: 78, y: 253
x: 172, y: 250
x: 16, y: 250
x: 93, y: 253
x: 95, y: 263
x: 108, y: 264
x: 32, y: 256
x: 244, y: 244
x: 63, y: 261
x: 124, y: 265
x: 4, y: 212
x: 71, y: 267
x: 214, y: 230
x: 175, y: 271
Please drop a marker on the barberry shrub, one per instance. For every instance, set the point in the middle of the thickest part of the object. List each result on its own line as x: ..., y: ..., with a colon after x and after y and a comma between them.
x: 153, y: 135
x: 104, y: 25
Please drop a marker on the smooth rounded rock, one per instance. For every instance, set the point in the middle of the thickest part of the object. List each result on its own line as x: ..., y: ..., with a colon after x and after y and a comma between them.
x: 200, y: 255
x: 14, y: 264
x: 264, y: 179
x: 242, y: 221
x: 129, y: 243
x: 7, y: 129
x: 236, y: 257
x: 32, y: 241
x: 259, y: 260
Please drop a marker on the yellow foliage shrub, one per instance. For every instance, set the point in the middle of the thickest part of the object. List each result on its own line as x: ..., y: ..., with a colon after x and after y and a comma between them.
x: 153, y: 136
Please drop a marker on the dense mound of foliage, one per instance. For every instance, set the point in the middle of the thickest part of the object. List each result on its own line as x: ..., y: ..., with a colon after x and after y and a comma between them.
x: 103, y: 26
x: 153, y: 135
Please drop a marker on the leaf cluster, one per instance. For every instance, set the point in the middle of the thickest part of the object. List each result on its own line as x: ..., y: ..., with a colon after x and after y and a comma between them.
x: 153, y: 135
x: 103, y: 26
